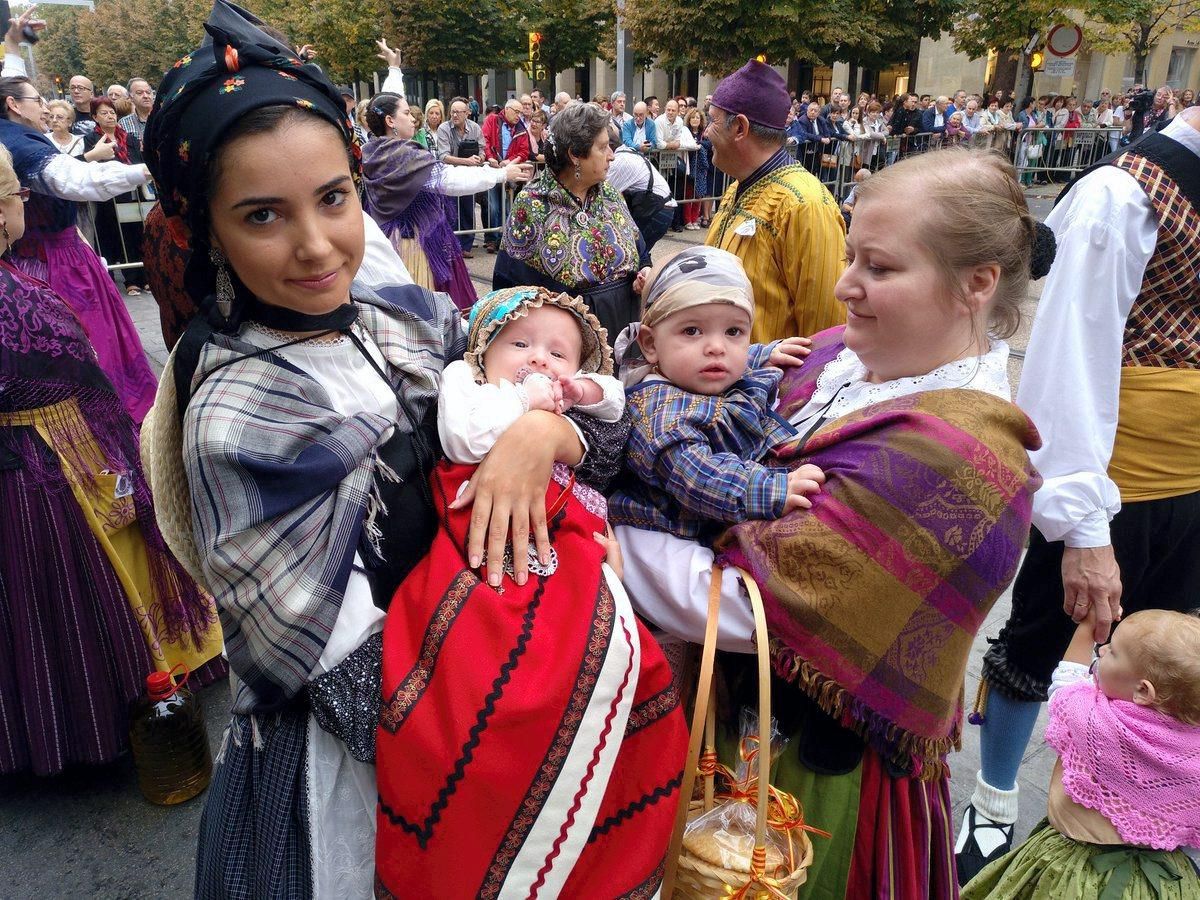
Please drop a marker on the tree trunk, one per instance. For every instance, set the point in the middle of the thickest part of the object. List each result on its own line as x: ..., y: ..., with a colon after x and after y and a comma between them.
x: 1141, y: 53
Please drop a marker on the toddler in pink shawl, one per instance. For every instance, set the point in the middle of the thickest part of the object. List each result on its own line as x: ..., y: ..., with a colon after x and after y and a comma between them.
x: 1125, y: 793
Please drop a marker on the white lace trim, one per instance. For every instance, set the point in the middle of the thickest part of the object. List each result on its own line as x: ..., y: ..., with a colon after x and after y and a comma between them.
x: 844, y: 382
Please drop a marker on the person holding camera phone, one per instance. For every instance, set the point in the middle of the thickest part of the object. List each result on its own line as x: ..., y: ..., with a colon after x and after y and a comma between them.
x: 405, y: 187
x: 460, y: 143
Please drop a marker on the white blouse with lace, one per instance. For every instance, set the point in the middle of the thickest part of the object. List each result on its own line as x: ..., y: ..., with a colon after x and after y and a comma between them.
x: 842, y: 387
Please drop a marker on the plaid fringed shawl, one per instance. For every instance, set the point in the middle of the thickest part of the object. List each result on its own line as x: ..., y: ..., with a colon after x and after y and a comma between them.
x: 279, y: 484
x: 874, y: 596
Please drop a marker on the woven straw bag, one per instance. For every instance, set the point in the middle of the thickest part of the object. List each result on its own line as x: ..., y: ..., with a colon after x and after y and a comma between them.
x: 687, y: 875
x: 162, y: 461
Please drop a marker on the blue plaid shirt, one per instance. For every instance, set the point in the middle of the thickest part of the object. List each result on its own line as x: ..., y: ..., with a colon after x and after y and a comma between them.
x: 692, y: 463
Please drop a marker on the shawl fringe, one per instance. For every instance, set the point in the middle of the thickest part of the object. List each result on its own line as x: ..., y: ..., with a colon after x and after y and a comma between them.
x: 921, y: 757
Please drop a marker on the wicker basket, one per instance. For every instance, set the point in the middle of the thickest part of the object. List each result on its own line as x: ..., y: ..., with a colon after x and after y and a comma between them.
x: 687, y: 875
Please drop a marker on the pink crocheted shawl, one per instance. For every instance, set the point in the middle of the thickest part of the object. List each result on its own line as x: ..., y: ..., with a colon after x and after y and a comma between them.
x: 1137, y: 766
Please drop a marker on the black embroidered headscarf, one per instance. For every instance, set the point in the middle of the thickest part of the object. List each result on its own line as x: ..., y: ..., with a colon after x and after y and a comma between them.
x: 238, y: 69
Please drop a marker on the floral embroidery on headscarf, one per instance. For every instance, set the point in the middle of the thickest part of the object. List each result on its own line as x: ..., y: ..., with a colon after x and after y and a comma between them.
x: 233, y: 84
x: 305, y: 104
x: 184, y: 148
x: 288, y: 75
x: 183, y: 61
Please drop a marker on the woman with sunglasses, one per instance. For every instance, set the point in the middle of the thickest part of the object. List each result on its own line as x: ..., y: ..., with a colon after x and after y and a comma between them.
x: 53, y: 251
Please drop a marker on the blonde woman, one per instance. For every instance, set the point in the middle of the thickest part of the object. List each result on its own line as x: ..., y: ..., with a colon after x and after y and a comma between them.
x: 61, y: 118
x: 435, y: 115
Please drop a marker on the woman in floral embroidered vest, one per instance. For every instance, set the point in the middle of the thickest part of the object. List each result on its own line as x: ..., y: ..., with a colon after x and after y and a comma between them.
x: 570, y: 230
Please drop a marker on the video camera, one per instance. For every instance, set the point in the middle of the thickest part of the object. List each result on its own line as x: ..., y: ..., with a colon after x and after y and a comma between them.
x: 1139, y: 104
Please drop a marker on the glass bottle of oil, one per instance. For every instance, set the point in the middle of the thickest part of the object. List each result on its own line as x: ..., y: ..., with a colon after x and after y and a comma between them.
x: 170, y: 744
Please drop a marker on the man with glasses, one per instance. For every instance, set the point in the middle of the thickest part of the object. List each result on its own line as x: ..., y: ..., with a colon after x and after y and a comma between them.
x: 451, y: 136
x: 82, y: 92
x: 142, y: 96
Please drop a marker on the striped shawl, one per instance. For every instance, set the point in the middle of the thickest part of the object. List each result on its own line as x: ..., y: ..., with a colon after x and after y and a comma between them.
x: 279, y: 485
x: 875, y: 595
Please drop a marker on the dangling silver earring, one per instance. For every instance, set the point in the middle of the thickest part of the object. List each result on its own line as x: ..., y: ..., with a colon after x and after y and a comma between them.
x: 224, y: 283
x: 577, y: 173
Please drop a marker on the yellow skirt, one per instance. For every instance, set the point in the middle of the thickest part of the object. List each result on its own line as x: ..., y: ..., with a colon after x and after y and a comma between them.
x: 109, y: 511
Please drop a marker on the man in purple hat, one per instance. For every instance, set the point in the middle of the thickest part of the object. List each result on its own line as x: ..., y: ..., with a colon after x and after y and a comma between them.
x: 776, y: 216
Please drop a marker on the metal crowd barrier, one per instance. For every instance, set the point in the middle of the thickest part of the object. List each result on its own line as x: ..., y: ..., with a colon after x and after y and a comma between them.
x: 125, y: 212
x: 1038, y: 154
x: 1041, y: 154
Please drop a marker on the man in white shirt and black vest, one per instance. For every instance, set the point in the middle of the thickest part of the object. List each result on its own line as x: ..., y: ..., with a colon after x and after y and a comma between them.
x: 1112, y: 381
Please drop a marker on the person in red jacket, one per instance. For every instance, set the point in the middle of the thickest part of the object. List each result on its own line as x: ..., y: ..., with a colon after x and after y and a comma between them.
x: 505, y: 139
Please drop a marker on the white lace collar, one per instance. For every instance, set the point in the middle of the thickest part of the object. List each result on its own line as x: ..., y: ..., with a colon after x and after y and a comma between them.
x: 843, y: 381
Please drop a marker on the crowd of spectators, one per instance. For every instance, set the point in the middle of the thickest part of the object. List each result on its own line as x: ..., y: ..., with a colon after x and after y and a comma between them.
x: 840, y: 132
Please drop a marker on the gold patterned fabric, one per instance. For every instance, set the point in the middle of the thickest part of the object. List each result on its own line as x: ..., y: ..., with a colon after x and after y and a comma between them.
x: 791, y: 238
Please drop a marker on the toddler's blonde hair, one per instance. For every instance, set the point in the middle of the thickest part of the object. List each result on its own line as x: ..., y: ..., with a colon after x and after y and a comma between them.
x: 1168, y: 653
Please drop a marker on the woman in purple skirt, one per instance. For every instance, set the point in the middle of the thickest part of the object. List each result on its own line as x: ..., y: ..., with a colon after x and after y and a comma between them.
x: 53, y: 251
x: 91, y: 601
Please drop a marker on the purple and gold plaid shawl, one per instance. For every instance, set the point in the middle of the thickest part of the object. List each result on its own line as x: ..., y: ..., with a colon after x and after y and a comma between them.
x: 875, y: 595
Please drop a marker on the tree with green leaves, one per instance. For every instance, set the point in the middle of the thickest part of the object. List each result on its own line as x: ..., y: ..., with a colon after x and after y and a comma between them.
x: 124, y: 38
x: 572, y: 32
x: 1015, y: 26
x: 1138, y: 26
x: 720, y: 35
x: 342, y: 32
x: 453, y: 36
x: 60, y: 51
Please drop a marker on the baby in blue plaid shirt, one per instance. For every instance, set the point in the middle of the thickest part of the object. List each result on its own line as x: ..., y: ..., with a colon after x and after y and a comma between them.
x: 702, y: 397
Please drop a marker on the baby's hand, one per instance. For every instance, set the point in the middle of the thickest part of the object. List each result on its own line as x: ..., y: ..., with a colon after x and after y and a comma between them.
x: 542, y: 393
x: 579, y: 392
x: 613, y: 557
x: 789, y: 352
x: 806, y: 479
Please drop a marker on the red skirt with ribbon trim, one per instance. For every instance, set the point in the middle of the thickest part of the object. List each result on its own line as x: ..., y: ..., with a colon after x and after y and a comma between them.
x: 530, y: 741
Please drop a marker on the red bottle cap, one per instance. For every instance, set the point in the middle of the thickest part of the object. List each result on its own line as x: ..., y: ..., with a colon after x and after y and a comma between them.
x: 160, y: 685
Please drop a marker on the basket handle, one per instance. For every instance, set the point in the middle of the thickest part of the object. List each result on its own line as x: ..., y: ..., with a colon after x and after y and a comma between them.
x: 704, y: 723
x: 764, y: 707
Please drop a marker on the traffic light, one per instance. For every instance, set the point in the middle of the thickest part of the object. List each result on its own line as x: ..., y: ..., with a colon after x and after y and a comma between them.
x: 536, y: 70
x: 1036, y: 60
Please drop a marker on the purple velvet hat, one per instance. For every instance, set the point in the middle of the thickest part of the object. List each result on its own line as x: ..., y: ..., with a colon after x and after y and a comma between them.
x: 757, y: 92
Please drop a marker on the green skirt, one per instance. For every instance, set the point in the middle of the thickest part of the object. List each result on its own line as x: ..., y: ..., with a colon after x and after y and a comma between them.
x: 1050, y: 866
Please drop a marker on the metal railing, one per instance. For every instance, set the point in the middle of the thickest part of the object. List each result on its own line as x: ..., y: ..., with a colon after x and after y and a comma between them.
x: 1038, y: 154
x: 124, y: 212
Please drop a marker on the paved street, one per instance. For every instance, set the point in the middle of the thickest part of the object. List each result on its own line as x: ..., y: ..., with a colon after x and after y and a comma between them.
x: 90, y: 834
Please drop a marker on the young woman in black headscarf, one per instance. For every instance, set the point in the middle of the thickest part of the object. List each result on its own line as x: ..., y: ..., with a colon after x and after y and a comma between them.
x: 289, y: 447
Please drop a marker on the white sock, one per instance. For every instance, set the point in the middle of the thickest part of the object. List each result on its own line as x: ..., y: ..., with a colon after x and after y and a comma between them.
x: 992, y: 806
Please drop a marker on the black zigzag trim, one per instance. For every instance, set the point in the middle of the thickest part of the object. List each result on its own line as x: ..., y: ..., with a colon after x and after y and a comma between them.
x: 636, y: 807
x: 424, y: 831
x: 555, y: 755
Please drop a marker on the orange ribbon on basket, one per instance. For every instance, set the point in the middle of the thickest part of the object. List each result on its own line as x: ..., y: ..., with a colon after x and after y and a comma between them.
x: 759, y: 880
x: 784, y: 814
